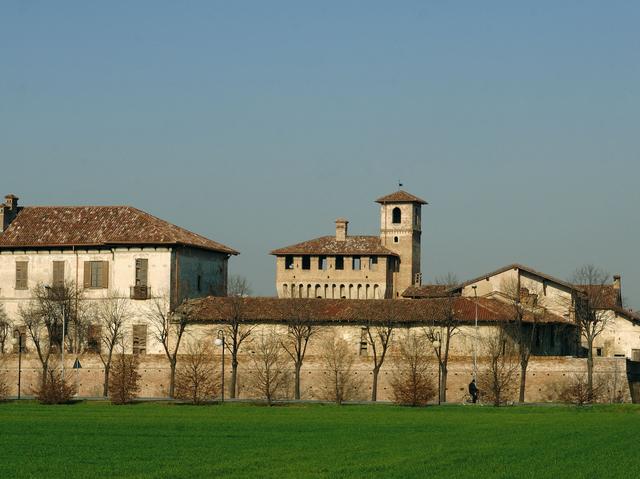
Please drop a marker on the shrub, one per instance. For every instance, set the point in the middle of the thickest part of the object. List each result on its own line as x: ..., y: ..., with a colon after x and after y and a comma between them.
x: 576, y: 391
x: 340, y: 381
x: 196, y: 376
x: 54, y: 389
x: 124, y: 381
x: 413, y: 383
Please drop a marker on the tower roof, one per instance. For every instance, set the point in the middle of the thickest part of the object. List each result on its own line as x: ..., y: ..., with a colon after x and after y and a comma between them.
x: 401, y: 196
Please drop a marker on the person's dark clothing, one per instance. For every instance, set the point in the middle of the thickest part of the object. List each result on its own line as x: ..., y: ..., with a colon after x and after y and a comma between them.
x: 473, y: 391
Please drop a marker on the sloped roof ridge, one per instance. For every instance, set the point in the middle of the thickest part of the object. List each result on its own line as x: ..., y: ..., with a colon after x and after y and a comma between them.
x: 520, y: 267
x: 401, y: 196
x: 315, y: 245
x: 20, y: 235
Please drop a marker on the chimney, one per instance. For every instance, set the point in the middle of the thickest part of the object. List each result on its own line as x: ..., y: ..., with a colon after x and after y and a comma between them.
x: 617, y: 282
x: 8, y: 211
x: 617, y: 286
x: 341, y: 229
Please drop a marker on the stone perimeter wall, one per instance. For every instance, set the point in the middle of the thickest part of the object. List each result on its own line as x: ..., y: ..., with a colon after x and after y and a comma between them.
x: 546, y: 376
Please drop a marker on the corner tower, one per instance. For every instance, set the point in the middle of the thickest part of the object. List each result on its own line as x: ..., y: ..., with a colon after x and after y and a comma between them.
x: 400, y: 231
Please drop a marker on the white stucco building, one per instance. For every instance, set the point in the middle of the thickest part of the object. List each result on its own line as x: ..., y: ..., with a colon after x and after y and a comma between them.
x: 103, y: 251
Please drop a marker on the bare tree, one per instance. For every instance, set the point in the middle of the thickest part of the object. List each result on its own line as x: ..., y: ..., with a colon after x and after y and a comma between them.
x: 443, y: 329
x: 525, y: 313
x: 269, y: 366
x: 413, y: 384
x: 236, y: 332
x: 338, y: 360
x: 498, y: 378
x: 42, y: 317
x: 112, y: 314
x: 5, y: 328
x: 196, y: 376
x: 592, y: 301
x: 4, y: 387
x: 168, y: 329
x: 300, y: 329
x: 378, y: 336
x: 124, y: 385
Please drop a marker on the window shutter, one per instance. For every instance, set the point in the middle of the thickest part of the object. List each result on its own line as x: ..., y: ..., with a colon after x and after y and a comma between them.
x: 87, y: 274
x: 104, y: 283
x: 142, y: 268
x: 21, y: 274
x: 58, y: 274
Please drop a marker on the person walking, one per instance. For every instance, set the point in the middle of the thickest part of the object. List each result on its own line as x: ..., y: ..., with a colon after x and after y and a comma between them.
x: 473, y: 391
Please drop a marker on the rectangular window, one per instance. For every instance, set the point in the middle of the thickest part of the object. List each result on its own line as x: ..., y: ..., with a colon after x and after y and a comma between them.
x: 94, y: 338
x: 58, y: 274
x: 139, y: 339
x: 598, y: 351
x: 339, y: 262
x: 373, y: 263
x: 355, y: 263
x: 322, y: 263
x: 394, y: 264
x: 288, y: 262
x: 142, y: 268
x: 22, y: 275
x: 96, y: 274
x: 635, y: 354
x: 306, y: 262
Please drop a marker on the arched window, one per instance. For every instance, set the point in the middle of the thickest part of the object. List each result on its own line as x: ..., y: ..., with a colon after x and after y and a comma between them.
x: 396, y: 216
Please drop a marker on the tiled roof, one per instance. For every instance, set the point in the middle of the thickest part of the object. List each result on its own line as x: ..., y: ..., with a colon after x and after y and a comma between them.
x: 428, y: 291
x: 328, y: 245
x: 63, y: 226
x: 401, y: 196
x: 604, y: 296
x: 218, y: 309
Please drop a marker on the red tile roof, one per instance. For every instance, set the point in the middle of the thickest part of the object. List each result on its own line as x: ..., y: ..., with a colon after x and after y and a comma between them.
x: 217, y: 309
x: 63, y: 226
x: 328, y: 245
x: 401, y: 196
x: 428, y: 291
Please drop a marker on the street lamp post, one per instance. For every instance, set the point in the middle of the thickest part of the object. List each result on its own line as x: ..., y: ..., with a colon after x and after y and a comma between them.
x: 436, y: 345
x: 17, y: 340
x: 220, y: 342
x: 475, y: 336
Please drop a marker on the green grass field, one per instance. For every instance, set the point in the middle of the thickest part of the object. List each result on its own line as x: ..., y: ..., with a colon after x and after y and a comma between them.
x: 237, y: 440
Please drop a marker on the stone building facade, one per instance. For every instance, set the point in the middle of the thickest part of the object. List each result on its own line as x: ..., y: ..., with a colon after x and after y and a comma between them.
x: 104, y: 252
x: 357, y: 267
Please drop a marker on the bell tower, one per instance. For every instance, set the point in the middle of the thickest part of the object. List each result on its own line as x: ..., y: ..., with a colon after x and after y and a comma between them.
x: 400, y: 232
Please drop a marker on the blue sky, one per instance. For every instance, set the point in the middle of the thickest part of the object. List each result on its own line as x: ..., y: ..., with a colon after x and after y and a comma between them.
x: 259, y: 123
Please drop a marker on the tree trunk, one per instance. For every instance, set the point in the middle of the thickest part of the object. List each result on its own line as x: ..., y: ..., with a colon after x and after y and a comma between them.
x: 45, y: 371
x: 234, y: 375
x: 374, y: 386
x: 172, y: 379
x: 297, y: 381
x: 105, y: 389
x: 443, y: 384
x: 590, y: 368
x: 523, y: 380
